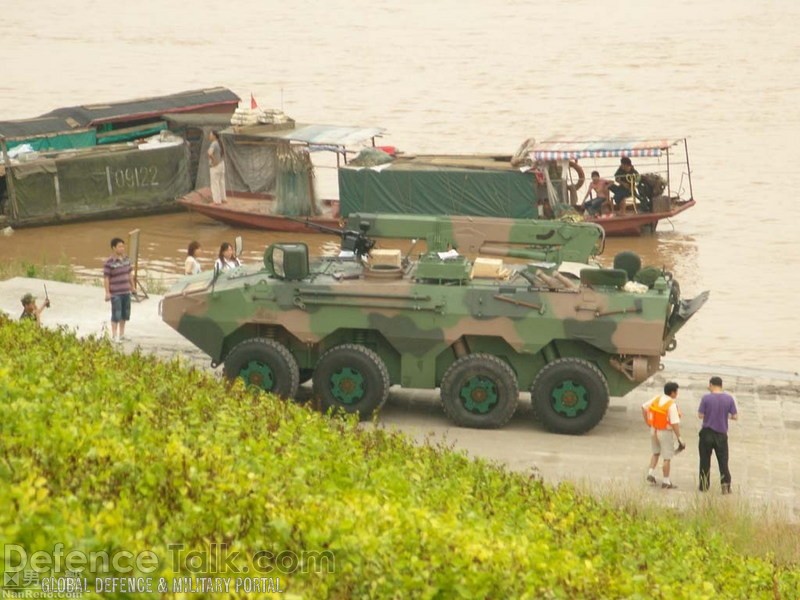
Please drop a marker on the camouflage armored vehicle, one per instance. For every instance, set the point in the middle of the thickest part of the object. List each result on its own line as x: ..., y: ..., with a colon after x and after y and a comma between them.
x: 478, y: 328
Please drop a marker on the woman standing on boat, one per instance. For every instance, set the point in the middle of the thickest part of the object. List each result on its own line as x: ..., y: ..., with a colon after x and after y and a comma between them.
x: 216, y: 163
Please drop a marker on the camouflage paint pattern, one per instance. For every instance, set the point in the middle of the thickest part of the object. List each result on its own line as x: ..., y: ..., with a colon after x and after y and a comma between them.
x: 538, y: 240
x: 418, y: 327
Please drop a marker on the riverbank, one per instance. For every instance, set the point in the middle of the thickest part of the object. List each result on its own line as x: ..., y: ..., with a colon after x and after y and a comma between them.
x: 612, y: 457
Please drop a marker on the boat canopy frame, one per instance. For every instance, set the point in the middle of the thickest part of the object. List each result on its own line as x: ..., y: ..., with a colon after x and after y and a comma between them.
x: 316, y: 137
x: 574, y: 150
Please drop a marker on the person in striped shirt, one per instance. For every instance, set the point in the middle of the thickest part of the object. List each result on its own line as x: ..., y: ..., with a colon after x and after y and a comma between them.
x: 119, y: 284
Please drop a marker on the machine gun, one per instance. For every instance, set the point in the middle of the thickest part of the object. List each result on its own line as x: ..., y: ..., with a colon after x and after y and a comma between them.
x: 354, y: 241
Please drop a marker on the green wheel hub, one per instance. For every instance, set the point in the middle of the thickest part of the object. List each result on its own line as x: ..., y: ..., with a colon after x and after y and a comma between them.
x: 347, y: 385
x: 570, y: 398
x: 479, y: 395
x: 258, y: 374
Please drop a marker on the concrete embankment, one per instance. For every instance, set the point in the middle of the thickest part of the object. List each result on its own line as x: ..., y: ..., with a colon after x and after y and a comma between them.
x: 763, y: 443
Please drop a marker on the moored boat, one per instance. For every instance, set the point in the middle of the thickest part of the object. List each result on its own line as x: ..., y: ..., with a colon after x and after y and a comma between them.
x: 104, y: 160
x: 541, y: 180
x: 270, y: 177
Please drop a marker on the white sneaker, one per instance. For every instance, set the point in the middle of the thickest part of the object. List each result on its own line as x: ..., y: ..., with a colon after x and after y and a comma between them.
x: 116, y: 340
x: 124, y: 338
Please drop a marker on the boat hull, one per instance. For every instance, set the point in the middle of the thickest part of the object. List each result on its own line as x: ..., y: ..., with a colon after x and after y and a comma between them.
x: 638, y: 223
x: 250, y: 212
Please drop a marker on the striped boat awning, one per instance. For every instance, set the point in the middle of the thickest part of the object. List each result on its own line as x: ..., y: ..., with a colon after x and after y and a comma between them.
x: 564, y: 150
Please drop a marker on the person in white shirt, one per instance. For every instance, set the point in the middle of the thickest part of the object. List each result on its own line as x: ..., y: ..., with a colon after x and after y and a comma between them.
x: 662, y: 415
x: 192, y: 265
x: 216, y: 167
x: 226, y: 260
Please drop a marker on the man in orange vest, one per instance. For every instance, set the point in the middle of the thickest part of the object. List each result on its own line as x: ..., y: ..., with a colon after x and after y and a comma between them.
x: 662, y: 415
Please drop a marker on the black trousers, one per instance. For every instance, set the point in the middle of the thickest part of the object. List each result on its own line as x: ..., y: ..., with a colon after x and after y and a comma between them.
x: 716, y: 442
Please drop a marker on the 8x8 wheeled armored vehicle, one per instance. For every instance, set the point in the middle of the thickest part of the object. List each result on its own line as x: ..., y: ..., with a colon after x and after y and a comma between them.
x: 476, y: 328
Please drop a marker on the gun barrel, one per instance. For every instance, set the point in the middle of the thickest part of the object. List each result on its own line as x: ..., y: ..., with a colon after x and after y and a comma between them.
x: 317, y: 226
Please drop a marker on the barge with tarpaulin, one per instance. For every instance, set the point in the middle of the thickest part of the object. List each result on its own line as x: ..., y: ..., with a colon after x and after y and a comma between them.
x: 105, y: 160
x: 541, y: 180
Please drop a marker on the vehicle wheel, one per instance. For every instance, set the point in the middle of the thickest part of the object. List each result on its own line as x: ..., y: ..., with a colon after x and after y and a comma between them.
x: 266, y: 364
x: 479, y: 390
x: 353, y: 378
x: 569, y: 395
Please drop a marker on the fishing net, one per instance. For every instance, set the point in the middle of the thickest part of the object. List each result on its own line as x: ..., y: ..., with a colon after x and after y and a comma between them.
x: 294, y: 189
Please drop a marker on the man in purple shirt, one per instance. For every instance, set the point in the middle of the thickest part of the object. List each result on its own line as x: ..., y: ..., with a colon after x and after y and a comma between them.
x: 715, y: 409
x: 119, y: 284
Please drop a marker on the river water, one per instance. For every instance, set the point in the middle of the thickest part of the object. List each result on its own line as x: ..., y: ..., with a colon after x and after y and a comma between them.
x: 470, y: 76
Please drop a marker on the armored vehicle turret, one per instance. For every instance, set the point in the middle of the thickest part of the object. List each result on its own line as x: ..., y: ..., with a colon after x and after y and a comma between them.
x: 480, y: 329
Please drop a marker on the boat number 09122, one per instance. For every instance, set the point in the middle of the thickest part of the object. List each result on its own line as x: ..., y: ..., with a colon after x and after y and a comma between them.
x: 131, y: 177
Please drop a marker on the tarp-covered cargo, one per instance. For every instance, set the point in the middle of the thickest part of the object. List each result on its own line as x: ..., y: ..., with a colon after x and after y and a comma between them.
x: 100, y: 182
x: 421, y: 188
x: 101, y: 177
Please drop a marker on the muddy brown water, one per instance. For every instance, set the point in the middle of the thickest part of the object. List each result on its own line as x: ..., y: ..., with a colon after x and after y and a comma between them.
x: 472, y: 76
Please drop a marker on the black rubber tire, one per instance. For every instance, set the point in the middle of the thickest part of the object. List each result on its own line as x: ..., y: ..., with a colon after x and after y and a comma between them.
x: 269, y: 353
x: 580, y: 372
x: 366, y: 364
x: 486, y: 367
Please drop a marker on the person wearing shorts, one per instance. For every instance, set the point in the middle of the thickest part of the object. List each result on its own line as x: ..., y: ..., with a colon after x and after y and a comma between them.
x: 662, y: 415
x: 119, y: 285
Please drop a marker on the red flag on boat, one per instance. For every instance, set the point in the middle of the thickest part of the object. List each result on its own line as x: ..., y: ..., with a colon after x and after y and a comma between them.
x: 253, y: 103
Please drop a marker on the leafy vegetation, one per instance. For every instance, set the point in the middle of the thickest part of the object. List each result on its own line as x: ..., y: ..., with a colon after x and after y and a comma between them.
x: 105, y: 452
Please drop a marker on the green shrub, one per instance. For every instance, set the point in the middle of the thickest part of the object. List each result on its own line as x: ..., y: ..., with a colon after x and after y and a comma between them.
x: 105, y: 452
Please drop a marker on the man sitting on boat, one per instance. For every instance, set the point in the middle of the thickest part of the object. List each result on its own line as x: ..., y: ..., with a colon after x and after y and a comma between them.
x: 645, y: 187
x: 600, y: 187
x: 626, y: 177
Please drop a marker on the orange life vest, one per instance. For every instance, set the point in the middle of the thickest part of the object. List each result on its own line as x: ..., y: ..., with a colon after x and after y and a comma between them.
x: 658, y: 414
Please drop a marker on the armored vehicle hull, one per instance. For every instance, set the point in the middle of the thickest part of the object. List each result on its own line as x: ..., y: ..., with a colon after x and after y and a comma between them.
x: 479, y: 331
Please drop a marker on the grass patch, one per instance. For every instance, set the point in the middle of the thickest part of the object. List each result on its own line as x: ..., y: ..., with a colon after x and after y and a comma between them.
x: 61, y: 271
x: 753, y: 529
x: 64, y: 271
x: 104, y: 452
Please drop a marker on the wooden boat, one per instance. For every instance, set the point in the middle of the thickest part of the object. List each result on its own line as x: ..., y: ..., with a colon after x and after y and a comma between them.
x: 254, y: 212
x: 541, y: 180
x: 638, y: 223
x: 270, y: 177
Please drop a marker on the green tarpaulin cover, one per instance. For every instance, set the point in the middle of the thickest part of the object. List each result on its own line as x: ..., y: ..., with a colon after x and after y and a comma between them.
x: 437, y: 190
x: 58, y: 141
x: 100, y: 182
